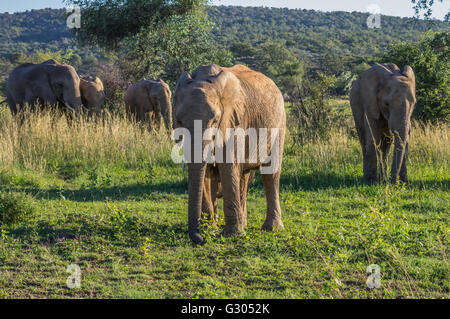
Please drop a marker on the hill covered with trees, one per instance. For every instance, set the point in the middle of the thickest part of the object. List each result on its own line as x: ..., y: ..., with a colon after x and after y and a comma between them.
x: 307, y: 32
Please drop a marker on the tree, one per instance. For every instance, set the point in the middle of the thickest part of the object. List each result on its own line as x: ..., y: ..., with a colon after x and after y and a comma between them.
x: 151, y: 38
x: 279, y: 63
x: 178, y: 44
x: 108, y: 22
x: 427, y: 7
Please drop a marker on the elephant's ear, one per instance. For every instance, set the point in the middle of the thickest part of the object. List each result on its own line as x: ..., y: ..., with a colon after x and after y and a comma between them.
x: 409, y: 73
x: 45, y: 85
x: 371, y: 82
x: 184, y: 80
x: 229, y: 92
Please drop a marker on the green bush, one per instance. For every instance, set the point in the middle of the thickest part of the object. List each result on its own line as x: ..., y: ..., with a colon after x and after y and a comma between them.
x: 430, y: 59
x: 14, y: 207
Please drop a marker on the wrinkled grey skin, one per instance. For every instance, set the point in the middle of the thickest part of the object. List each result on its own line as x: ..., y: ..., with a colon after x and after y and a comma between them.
x: 47, y: 84
x: 224, y: 98
x: 382, y: 101
x: 92, y: 93
x: 150, y: 97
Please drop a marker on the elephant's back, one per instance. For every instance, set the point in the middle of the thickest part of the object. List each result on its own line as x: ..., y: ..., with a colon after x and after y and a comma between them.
x: 18, y: 79
x: 263, y: 96
x: 255, y: 81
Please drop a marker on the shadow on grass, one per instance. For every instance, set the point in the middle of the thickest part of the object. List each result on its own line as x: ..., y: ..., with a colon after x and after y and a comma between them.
x: 288, y: 182
x: 320, y: 180
x: 312, y: 182
x: 44, y: 232
x: 443, y: 185
x: 115, y: 193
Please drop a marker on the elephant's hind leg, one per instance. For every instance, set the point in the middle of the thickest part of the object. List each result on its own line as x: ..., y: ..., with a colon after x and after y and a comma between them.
x: 271, y: 184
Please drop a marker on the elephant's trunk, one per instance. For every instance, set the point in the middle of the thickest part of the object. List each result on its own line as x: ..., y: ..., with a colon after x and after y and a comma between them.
x: 401, y: 137
x: 196, y: 180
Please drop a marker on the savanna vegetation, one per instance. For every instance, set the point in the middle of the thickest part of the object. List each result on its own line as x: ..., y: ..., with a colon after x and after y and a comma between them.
x: 104, y: 193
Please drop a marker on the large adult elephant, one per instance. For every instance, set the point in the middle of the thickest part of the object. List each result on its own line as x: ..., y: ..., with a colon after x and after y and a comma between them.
x: 92, y: 93
x: 231, y: 98
x: 150, y: 98
x: 49, y: 83
x: 382, y: 101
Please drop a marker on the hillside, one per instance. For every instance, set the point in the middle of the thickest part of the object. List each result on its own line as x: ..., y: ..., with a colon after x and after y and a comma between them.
x: 309, y: 32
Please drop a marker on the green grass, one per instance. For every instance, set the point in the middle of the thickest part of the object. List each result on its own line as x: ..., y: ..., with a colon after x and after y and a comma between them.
x: 125, y: 224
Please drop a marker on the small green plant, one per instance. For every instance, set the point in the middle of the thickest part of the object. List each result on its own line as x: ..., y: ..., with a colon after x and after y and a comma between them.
x: 119, y: 218
x: 14, y: 207
x: 146, y: 248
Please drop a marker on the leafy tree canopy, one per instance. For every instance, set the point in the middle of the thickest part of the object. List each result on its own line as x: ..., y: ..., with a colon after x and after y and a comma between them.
x: 426, y: 6
x: 107, y: 22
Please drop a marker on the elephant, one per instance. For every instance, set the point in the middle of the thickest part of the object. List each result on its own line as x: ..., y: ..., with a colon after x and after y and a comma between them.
x: 150, y: 97
x: 237, y: 98
x: 48, y: 83
x: 92, y: 93
x: 212, y: 191
x: 382, y: 100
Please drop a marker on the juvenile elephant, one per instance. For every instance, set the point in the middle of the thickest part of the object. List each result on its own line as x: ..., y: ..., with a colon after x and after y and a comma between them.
x: 92, y: 93
x: 382, y: 101
x: 212, y: 191
x: 48, y: 83
x: 231, y: 98
x: 150, y: 98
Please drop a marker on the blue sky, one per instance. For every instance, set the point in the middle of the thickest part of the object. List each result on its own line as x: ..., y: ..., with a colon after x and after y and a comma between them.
x: 401, y: 8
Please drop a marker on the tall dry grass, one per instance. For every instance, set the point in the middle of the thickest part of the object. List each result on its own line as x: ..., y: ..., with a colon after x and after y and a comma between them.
x: 45, y: 140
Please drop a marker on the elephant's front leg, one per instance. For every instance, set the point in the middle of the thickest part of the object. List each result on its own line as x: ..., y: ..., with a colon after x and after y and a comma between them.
x: 372, y: 152
x: 271, y: 184
x: 386, y: 142
x: 230, y: 175
x: 403, y: 171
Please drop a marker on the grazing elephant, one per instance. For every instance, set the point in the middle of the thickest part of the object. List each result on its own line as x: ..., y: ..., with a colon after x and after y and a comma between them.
x: 147, y: 98
x: 92, y: 93
x: 231, y: 98
x: 48, y: 83
x: 382, y: 101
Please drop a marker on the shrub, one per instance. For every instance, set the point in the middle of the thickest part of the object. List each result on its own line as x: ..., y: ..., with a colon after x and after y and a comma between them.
x: 14, y: 207
x: 310, y: 112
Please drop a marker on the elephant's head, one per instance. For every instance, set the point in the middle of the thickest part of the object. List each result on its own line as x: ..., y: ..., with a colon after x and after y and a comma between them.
x: 65, y: 84
x: 396, y: 98
x: 161, y: 96
x: 92, y: 93
x: 202, y: 97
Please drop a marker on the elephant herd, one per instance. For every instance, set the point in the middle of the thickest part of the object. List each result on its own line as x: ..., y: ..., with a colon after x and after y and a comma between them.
x: 382, y: 100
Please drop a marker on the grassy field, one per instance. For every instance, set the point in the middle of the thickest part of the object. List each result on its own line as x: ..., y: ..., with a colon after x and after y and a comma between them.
x: 108, y: 198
